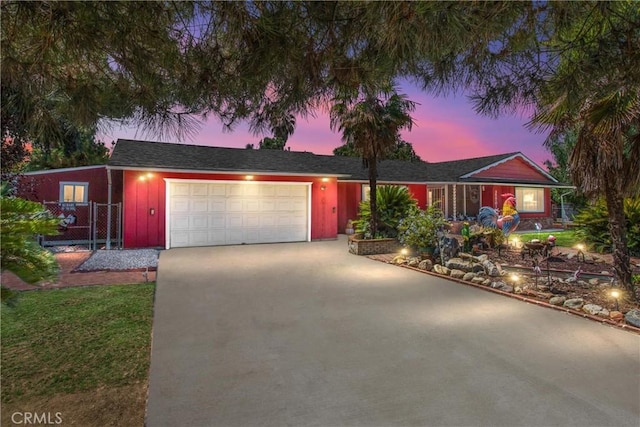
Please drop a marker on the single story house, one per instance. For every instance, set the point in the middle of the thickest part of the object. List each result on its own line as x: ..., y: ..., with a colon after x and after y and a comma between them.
x: 178, y: 195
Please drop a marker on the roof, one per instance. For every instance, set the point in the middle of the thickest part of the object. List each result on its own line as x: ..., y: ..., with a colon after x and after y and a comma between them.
x: 131, y: 154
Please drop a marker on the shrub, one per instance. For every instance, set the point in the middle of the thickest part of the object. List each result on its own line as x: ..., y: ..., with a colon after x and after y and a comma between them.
x: 593, y: 226
x: 420, y: 228
x: 394, y: 203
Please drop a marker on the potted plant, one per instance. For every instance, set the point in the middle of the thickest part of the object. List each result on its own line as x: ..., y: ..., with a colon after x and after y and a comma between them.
x: 419, y: 229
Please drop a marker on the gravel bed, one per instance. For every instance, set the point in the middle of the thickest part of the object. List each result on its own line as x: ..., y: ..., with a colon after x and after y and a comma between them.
x: 127, y: 259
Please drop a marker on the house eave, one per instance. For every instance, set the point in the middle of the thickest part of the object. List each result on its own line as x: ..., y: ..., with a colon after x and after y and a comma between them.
x: 223, y: 171
x: 62, y: 170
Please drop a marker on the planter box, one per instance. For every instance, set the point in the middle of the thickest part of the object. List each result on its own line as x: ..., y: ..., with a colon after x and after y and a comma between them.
x: 372, y: 246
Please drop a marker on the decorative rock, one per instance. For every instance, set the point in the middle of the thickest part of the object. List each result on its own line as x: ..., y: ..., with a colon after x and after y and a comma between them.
x: 480, y: 280
x: 490, y: 268
x: 413, y: 261
x: 457, y: 274
x: 575, y: 303
x: 482, y: 258
x: 594, y: 282
x: 458, y: 264
x: 616, y: 315
x: 633, y: 317
x: 425, y: 264
x: 502, y: 286
x: 557, y: 300
x: 469, y: 276
x: 605, y: 272
x: 571, y: 255
x: 543, y: 288
x: 487, y: 282
x: 603, y: 313
x: 398, y: 259
x: 441, y: 270
x: 592, y: 309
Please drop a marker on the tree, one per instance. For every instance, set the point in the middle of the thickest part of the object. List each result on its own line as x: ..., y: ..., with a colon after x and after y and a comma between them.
x: 79, y: 148
x: 372, y: 125
x: 561, y: 147
x: 20, y: 221
x: 275, y: 143
x: 402, y: 150
x: 604, y: 107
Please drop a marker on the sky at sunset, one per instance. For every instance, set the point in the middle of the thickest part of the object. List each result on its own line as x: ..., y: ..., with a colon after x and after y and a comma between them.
x: 445, y: 129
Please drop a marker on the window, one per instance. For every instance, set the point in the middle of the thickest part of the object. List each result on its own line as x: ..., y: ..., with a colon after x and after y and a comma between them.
x: 436, y: 196
x: 529, y: 199
x: 74, y: 192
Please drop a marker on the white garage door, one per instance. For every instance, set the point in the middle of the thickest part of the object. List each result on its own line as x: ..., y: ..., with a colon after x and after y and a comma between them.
x: 209, y: 213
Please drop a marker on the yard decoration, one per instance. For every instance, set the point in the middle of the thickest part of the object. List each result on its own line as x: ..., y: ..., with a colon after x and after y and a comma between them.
x: 509, y: 219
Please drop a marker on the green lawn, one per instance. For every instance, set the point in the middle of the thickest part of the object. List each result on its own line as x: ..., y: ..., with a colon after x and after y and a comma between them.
x: 564, y: 238
x: 75, y: 340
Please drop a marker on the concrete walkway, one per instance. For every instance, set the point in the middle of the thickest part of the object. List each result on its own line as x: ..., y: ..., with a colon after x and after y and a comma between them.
x: 307, y: 334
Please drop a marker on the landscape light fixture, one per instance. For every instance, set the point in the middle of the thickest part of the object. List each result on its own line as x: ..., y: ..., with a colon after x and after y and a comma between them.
x: 404, y: 251
x: 615, y: 294
x: 580, y: 248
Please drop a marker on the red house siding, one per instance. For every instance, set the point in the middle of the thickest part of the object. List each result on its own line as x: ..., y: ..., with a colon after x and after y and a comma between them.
x: 46, y: 186
x: 515, y: 169
x: 419, y: 192
x: 141, y: 229
x: 349, y: 196
x: 492, y: 197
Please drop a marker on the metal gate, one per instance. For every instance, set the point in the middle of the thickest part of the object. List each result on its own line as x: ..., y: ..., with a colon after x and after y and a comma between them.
x: 95, y: 225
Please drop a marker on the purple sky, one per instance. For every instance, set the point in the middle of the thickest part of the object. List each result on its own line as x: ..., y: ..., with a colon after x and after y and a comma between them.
x: 445, y: 129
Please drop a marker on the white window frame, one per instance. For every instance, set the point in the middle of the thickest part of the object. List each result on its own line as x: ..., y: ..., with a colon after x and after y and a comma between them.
x: 85, y: 196
x: 522, y: 201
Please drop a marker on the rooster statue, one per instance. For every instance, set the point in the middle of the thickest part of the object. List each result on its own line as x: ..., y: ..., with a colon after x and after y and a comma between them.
x: 509, y: 220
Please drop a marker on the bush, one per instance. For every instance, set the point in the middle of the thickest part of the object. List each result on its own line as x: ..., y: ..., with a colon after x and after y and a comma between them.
x: 420, y: 228
x: 394, y: 203
x: 593, y: 226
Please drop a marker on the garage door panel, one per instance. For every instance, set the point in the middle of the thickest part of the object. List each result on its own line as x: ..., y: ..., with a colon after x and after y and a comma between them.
x: 179, y: 205
x: 234, y: 205
x: 198, y: 222
x: 224, y: 213
x: 216, y: 221
x: 179, y: 222
x: 217, y: 205
x: 198, y: 205
x: 235, y: 190
x: 217, y: 190
x: 198, y: 190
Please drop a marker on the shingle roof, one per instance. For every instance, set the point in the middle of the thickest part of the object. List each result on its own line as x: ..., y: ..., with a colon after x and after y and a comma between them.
x: 157, y: 155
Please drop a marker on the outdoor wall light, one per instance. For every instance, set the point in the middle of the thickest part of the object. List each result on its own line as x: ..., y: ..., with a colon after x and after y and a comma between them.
x: 248, y: 177
x: 152, y: 211
x: 325, y: 179
x: 323, y: 187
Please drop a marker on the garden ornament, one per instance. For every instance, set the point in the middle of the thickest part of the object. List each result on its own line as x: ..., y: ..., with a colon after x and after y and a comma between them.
x: 509, y: 220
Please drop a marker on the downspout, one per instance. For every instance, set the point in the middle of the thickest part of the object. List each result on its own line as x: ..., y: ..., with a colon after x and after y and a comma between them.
x: 109, y: 191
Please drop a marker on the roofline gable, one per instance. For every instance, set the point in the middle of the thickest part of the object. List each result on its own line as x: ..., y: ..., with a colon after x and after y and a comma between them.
x: 506, y: 159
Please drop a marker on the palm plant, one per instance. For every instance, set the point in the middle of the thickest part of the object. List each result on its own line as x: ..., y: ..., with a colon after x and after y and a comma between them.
x: 394, y: 202
x: 372, y: 125
x: 606, y: 157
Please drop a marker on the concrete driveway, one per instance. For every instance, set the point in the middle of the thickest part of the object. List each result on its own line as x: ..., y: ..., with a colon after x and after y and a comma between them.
x: 307, y: 334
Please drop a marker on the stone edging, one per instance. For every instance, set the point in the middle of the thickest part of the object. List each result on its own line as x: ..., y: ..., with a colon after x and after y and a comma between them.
x: 623, y: 326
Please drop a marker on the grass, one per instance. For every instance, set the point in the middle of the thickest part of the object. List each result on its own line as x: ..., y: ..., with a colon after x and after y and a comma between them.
x: 565, y: 238
x: 76, y: 342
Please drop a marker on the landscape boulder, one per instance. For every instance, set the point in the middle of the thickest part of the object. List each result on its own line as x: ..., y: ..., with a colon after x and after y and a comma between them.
x: 574, y: 303
x: 633, y: 317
